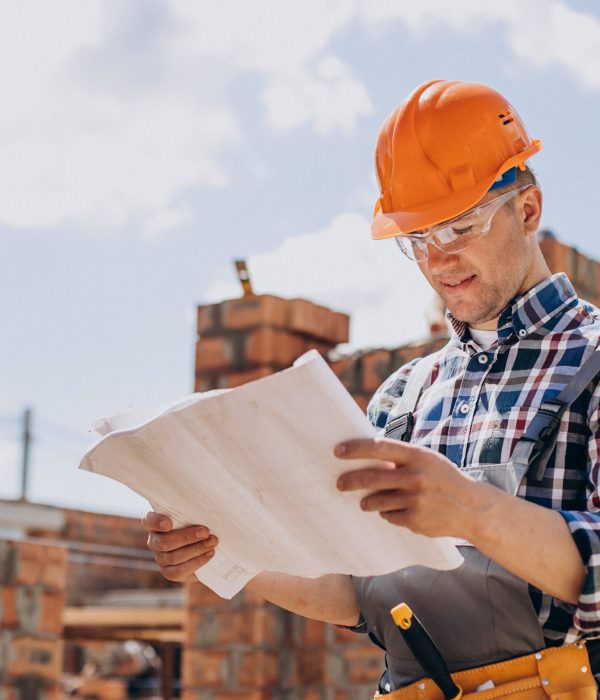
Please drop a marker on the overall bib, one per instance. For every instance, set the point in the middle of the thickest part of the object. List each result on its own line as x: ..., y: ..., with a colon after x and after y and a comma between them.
x: 479, y: 613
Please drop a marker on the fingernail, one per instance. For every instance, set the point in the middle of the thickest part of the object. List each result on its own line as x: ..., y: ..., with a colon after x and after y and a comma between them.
x: 211, y: 541
x: 340, y: 484
x: 163, y: 522
x: 200, y: 533
x: 210, y: 554
x: 340, y: 449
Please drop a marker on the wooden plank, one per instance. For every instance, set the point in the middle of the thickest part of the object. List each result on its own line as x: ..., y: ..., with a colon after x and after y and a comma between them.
x: 83, y: 635
x: 123, y: 617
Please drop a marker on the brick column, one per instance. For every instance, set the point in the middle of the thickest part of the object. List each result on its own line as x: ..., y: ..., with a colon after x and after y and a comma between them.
x: 583, y: 272
x: 233, y: 649
x: 32, y: 599
x: 251, y: 337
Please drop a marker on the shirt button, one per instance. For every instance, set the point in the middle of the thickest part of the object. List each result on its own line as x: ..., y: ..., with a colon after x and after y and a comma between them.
x: 522, y: 332
x: 483, y: 359
x: 465, y: 408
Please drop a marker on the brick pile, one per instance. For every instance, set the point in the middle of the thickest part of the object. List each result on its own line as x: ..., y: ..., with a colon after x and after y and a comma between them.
x: 32, y: 599
x: 251, y: 337
x: 247, y: 649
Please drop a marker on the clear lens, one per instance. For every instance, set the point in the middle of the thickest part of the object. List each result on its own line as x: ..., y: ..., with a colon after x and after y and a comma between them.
x: 456, y: 235
x: 413, y: 249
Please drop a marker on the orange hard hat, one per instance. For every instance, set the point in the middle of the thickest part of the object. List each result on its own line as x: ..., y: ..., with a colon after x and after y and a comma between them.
x: 440, y: 151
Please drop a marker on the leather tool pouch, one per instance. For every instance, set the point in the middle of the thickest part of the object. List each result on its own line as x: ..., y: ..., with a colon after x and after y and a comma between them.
x: 556, y: 673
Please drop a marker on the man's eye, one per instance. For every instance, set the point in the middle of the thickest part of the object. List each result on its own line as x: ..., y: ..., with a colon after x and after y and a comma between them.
x: 462, y: 231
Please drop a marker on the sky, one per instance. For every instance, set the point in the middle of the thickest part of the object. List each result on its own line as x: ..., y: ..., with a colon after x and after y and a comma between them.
x: 146, y: 144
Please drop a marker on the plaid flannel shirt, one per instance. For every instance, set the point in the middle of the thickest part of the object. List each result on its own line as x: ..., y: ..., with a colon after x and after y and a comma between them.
x: 476, y: 404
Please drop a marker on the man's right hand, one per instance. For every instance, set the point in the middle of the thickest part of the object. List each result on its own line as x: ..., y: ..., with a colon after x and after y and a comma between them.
x: 178, y: 552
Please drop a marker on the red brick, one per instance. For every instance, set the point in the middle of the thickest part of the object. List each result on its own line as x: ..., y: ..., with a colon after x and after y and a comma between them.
x: 376, y: 367
x: 345, y: 368
x: 313, y: 631
x: 214, y: 354
x: 311, y: 666
x: 208, y: 320
x: 51, y: 612
x: 365, y: 664
x: 243, y: 695
x: 232, y: 379
x: 28, y: 563
x: 103, y: 689
x: 312, y: 695
x: 318, y: 321
x: 249, y: 312
x: 54, y: 573
x: 258, y: 669
x: 38, y: 657
x: 345, y: 636
x: 255, y: 626
x: 268, y: 346
x: 8, y: 607
x: 204, y: 667
x: 205, y: 381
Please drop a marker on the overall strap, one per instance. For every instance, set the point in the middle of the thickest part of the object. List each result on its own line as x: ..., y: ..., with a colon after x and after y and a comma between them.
x: 535, y: 446
x: 400, y: 427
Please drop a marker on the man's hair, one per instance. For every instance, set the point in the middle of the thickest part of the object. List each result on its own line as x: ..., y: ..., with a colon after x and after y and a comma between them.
x: 524, y: 177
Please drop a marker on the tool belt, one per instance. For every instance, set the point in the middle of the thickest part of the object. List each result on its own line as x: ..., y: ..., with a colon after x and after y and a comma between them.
x: 556, y: 673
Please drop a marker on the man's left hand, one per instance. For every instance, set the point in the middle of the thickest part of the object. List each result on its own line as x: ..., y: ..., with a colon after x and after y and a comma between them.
x: 418, y: 488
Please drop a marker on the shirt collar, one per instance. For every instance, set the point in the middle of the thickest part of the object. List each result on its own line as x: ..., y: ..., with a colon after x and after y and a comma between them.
x: 528, y: 311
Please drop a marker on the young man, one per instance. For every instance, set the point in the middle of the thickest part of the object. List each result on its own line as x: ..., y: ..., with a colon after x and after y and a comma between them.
x: 458, y: 198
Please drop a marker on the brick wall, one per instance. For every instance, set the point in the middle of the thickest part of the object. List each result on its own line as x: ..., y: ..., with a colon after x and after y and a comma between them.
x: 116, y: 556
x: 584, y: 272
x: 32, y: 598
x: 249, y: 649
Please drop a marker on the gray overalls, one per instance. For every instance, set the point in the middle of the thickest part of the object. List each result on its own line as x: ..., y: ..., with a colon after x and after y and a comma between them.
x: 479, y: 613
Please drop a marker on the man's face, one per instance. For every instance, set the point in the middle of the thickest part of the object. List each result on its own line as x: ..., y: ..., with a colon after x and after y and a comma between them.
x: 479, y: 282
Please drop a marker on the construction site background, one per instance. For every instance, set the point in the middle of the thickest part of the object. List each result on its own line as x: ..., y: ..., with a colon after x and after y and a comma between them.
x: 72, y: 580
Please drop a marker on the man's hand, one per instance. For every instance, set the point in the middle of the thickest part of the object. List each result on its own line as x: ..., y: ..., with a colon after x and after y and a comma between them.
x: 418, y: 488
x: 178, y: 552
x: 425, y: 492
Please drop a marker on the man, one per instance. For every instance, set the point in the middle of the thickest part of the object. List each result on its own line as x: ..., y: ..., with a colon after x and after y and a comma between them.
x: 458, y: 198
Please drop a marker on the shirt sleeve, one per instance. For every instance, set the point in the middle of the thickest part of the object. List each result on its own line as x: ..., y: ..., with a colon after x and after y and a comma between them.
x: 585, y: 529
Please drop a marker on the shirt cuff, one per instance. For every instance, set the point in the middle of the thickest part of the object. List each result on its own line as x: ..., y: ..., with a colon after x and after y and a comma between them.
x: 360, y: 626
x: 585, y: 530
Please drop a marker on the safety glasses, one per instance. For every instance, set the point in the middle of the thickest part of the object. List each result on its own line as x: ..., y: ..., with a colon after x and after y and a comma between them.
x: 457, y: 234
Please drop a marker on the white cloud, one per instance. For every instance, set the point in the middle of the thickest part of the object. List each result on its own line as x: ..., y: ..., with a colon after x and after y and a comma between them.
x: 541, y: 33
x: 109, y: 111
x: 342, y: 268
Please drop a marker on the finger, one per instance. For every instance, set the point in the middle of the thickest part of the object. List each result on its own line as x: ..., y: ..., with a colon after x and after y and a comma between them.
x: 381, y: 478
x: 183, y: 554
x: 184, y: 572
x: 386, y: 501
x: 377, y: 448
x: 175, y: 539
x: 157, y: 522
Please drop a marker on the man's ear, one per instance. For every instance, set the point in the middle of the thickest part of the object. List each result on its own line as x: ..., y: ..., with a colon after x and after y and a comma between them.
x: 532, y: 210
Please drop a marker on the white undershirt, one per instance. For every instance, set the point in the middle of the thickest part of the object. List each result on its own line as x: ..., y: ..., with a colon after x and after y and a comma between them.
x: 485, y: 339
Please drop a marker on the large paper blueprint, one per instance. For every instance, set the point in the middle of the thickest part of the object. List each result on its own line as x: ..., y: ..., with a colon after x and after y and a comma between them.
x: 255, y: 464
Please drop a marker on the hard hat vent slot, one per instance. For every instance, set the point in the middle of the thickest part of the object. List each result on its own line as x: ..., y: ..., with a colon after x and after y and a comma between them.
x: 506, y: 118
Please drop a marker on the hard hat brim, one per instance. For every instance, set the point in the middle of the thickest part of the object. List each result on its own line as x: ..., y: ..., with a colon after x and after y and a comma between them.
x: 401, y: 223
